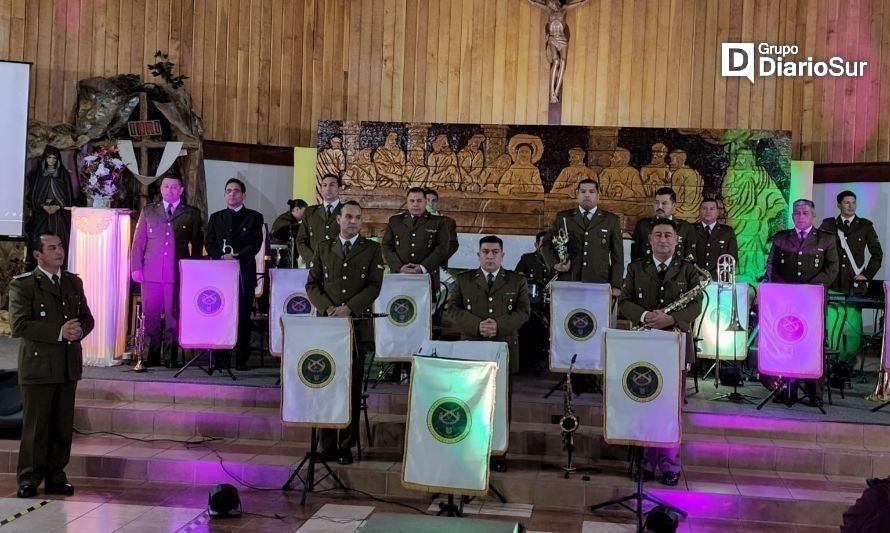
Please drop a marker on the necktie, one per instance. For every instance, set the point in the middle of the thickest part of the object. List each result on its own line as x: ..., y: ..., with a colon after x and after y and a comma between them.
x: 169, y: 212
x: 662, y: 267
x: 846, y: 226
x: 55, y: 280
x: 586, y: 215
x: 490, y: 280
x: 329, y: 208
x: 708, y: 230
x: 347, y: 245
x: 803, y: 235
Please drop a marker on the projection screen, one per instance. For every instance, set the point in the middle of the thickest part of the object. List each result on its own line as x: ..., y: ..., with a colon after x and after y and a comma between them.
x: 14, y: 85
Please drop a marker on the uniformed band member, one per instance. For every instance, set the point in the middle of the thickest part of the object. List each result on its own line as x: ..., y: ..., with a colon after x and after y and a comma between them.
x: 807, y: 255
x: 854, y: 235
x: 653, y: 283
x: 242, y: 229
x: 287, y: 225
x: 535, y: 268
x: 665, y: 205
x: 490, y: 303
x: 533, y: 336
x: 711, y: 239
x: 432, y: 205
x: 166, y: 232
x: 416, y: 241
x: 320, y: 221
x: 48, y: 311
x: 859, y: 234
x: 596, y: 250
x: 345, y: 277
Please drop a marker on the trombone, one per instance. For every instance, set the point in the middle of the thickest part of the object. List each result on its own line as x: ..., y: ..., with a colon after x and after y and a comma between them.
x: 726, y: 280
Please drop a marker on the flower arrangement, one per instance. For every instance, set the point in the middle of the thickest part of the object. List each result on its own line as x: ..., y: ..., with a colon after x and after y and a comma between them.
x: 102, y: 171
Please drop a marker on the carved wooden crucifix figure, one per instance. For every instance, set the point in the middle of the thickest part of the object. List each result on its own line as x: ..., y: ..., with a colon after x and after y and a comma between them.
x: 557, y: 33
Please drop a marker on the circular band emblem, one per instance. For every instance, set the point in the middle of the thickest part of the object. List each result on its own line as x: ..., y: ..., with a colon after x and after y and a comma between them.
x: 297, y: 304
x: 449, y: 420
x: 402, y: 311
x: 209, y: 301
x: 642, y: 382
x: 724, y: 312
x: 316, y: 368
x: 791, y: 328
x: 580, y: 324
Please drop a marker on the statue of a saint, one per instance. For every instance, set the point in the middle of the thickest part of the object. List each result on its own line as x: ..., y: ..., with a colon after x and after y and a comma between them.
x: 557, y: 32
x: 49, y: 193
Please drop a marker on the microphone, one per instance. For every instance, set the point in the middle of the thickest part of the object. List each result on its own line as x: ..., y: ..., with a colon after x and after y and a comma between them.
x: 366, y: 316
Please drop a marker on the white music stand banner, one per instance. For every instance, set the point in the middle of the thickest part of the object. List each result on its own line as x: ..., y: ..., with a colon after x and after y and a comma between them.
x: 450, y: 410
x: 643, y: 394
x: 791, y: 340
x: 208, y: 303
x: 578, y: 314
x: 316, y: 370
x: 288, y: 297
x: 495, y: 352
x: 405, y: 299
x: 708, y: 327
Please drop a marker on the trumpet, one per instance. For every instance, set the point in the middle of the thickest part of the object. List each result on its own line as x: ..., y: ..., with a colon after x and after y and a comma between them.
x: 139, y: 340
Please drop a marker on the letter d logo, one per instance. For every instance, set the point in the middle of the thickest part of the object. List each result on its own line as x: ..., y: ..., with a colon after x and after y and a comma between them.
x: 737, y: 59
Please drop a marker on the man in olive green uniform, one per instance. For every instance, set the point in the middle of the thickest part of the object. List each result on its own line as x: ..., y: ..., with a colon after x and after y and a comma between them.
x: 432, y: 205
x: 653, y: 283
x: 845, y: 322
x: 416, y: 241
x: 711, y: 239
x: 320, y: 221
x: 665, y: 205
x: 345, y: 277
x: 490, y: 303
x: 533, y: 336
x: 595, y: 248
x: 535, y: 268
x: 48, y: 311
x: 167, y: 231
x: 805, y: 255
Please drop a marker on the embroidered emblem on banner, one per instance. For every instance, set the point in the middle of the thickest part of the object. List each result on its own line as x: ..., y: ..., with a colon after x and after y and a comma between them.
x: 791, y: 328
x: 402, y: 311
x: 316, y: 368
x: 580, y: 324
x: 642, y: 382
x: 449, y: 420
x: 724, y: 312
x: 297, y: 304
x: 209, y: 301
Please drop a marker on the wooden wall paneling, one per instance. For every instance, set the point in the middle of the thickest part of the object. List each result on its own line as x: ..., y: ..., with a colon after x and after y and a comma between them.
x: 44, y: 54
x: 485, y: 51
x: 864, y: 120
x: 610, y: 118
x: 317, y: 92
x: 576, y: 75
x: 831, y: 87
x: 124, y: 40
x: 591, y: 88
x: 289, y: 47
x: 353, y: 64
x: 150, y: 33
x: 265, y: 74
x: 649, y: 27
x: 196, y: 69
x: 805, y: 100
x: 279, y: 59
x: 662, y: 55
x: 521, y: 82
x: 476, y: 56
x: 16, y: 34
x: 638, y: 77
x: 768, y: 96
x: 789, y: 20
x: 624, y: 59
x: 711, y: 53
x: 398, y: 66
x: 306, y: 91
x: 883, y: 150
x: 499, y: 46
x: 410, y: 46
x: 440, y: 72
x: 452, y: 71
x: 430, y: 78
x: 820, y: 87
x: 874, y: 99
x: 597, y: 110
x: 71, y: 53
x: 5, y: 27
x: 210, y: 14
x: 852, y: 85
x: 731, y: 97
x: 690, y: 53
x: 676, y: 54
x: 387, y: 60
x: 424, y: 90
x: 742, y: 109
x: 724, y: 21
x: 163, y: 36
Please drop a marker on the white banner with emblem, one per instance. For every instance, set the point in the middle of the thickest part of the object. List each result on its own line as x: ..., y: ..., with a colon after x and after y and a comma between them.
x: 733, y: 344
x: 287, y: 298
x: 208, y: 303
x: 496, y: 352
x: 316, y: 369
x: 643, y: 394
x: 791, y: 339
x: 448, y: 438
x: 405, y: 298
x: 578, y: 314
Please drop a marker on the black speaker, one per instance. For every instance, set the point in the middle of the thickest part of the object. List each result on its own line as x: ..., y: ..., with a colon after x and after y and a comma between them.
x: 224, y: 501
x: 10, y: 404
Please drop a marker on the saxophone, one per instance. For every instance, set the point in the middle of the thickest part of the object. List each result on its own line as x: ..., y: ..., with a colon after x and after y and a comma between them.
x: 569, y: 421
x: 139, y: 340
x: 687, y: 297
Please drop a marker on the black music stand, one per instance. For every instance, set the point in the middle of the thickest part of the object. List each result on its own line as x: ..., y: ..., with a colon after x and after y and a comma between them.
x: 788, y: 385
x: 639, y: 496
x: 211, y: 367
x: 312, y: 458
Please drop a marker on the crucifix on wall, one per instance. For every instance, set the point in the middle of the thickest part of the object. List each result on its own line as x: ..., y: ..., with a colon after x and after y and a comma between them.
x: 557, y: 33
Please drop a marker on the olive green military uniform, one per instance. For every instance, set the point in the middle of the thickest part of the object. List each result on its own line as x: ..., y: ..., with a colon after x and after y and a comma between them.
x: 472, y: 301
x: 706, y: 246
x: 644, y: 290
x: 641, y: 249
x: 535, y: 270
x: 422, y: 240
x: 595, y: 246
x: 317, y: 226
x: 352, y: 278
x: 49, y: 369
x: 451, y: 227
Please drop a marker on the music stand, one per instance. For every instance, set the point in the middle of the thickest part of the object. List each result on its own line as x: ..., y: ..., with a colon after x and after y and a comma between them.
x: 211, y: 368
x: 312, y: 458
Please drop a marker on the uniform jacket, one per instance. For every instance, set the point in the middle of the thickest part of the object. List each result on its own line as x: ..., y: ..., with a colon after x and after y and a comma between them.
x: 595, y: 247
x: 641, y: 248
x: 159, y: 244
x: 471, y: 302
x: 535, y: 270
x: 451, y: 226
x: 707, y: 248
x: 317, y: 227
x: 422, y: 242
x: 860, y: 236
x: 245, y: 238
x: 642, y: 291
x: 354, y: 280
x: 814, y: 261
x: 37, y: 311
